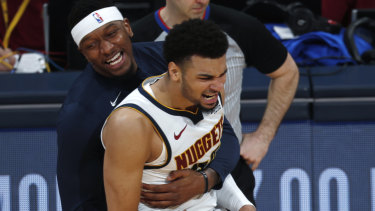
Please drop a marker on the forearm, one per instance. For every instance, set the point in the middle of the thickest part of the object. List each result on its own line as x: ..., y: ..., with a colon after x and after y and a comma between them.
x: 122, y: 186
x: 119, y: 201
x: 280, y: 96
x: 212, y: 178
x: 122, y: 172
x: 228, y: 154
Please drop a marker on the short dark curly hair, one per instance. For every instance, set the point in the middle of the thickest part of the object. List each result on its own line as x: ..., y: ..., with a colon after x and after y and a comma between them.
x: 194, y: 37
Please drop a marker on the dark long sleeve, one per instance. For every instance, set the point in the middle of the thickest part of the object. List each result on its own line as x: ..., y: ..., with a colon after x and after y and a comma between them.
x: 228, y: 154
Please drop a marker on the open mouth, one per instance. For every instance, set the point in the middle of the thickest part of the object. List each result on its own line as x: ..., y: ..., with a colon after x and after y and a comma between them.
x: 209, y: 97
x: 115, y: 59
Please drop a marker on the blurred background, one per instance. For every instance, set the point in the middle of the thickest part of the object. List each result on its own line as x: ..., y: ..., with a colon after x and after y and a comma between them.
x: 322, y: 157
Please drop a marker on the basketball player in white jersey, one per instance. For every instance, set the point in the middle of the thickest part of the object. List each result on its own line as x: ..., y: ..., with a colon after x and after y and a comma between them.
x: 171, y: 122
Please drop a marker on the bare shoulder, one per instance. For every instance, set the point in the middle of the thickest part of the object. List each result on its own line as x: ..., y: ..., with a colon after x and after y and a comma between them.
x: 127, y: 118
x: 126, y: 124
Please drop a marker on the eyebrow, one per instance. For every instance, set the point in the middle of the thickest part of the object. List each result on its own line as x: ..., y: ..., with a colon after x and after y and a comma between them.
x: 210, y: 76
x: 108, y: 25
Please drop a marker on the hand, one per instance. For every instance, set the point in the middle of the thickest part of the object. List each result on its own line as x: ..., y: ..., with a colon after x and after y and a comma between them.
x: 254, y: 148
x: 184, y: 184
x: 8, y: 58
x: 248, y: 208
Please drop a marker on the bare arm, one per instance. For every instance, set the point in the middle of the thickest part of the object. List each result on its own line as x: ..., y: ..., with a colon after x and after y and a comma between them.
x: 123, y: 159
x: 281, y: 92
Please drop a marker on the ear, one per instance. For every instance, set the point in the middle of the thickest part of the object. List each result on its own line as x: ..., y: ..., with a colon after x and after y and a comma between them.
x: 174, y: 71
x: 127, y: 27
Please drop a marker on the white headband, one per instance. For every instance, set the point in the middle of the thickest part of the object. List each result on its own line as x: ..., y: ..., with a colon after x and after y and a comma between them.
x: 93, y: 21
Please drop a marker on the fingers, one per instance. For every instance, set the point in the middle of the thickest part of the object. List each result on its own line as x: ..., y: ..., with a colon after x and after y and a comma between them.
x: 7, y: 51
x: 245, y: 155
x: 174, y: 175
x: 181, y: 187
x: 150, y: 196
x: 247, y: 158
x: 254, y: 163
x: 164, y: 188
x: 160, y: 200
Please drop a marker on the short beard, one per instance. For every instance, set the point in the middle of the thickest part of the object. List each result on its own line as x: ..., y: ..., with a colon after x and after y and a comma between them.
x: 203, y: 109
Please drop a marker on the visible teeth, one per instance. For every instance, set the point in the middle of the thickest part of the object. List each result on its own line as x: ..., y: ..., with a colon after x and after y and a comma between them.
x: 115, y: 60
x: 209, y: 97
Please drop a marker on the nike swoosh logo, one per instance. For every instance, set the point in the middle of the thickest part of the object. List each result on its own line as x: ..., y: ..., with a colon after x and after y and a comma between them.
x: 113, y: 103
x: 179, y: 135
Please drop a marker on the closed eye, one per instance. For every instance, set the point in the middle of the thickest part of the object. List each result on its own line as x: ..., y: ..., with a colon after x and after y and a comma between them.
x: 90, y: 45
x: 205, y: 78
x: 112, y: 33
x: 224, y: 73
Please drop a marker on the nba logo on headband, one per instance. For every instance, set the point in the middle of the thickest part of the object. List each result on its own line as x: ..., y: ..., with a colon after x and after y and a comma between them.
x: 95, y: 20
x: 97, y: 17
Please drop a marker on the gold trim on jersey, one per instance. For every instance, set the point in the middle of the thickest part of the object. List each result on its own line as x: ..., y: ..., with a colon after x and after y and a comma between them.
x: 175, y: 109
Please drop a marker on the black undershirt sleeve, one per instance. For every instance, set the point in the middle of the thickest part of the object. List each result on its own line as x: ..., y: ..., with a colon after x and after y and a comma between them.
x: 228, y: 154
x: 263, y: 51
x: 259, y: 47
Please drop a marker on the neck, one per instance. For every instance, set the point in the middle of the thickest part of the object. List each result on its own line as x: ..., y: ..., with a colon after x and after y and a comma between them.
x: 171, y: 16
x: 169, y: 94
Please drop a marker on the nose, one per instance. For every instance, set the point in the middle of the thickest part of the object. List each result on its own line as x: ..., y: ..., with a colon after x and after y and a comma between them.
x: 218, y: 84
x: 106, y: 47
x: 202, y: 1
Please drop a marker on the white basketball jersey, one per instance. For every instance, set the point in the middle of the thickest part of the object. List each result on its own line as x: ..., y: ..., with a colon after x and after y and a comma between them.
x: 190, y: 139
